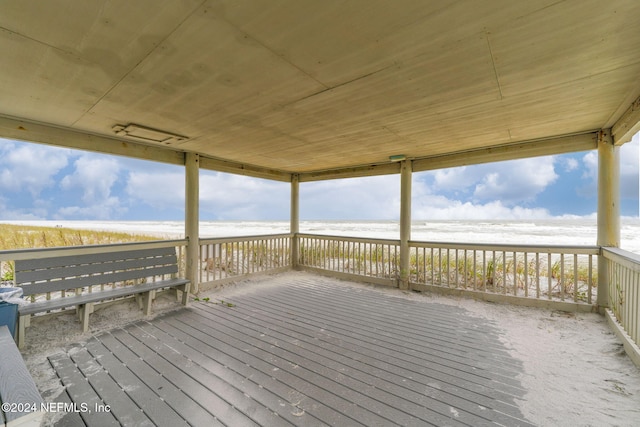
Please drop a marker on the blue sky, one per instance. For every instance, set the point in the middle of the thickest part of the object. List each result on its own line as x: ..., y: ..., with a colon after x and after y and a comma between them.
x: 43, y: 182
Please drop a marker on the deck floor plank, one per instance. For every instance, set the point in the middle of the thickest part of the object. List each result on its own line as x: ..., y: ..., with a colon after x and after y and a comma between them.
x: 238, y: 403
x: 245, y: 364
x: 435, y: 352
x: 238, y: 374
x: 68, y: 419
x: 352, y: 396
x: 224, y: 413
x: 465, y: 405
x: 263, y: 357
x: 192, y: 412
x: 407, y: 324
x: 125, y: 410
x: 375, y: 372
x: 80, y: 391
x: 136, y: 389
x: 301, y: 350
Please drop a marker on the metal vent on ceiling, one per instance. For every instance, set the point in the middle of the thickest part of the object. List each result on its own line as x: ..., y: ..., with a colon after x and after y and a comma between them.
x: 144, y: 133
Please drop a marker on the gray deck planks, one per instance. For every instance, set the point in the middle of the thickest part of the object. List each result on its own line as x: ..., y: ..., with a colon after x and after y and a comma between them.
x: 123, y: 408
x: 420, y: 328
x: 80, y: 391
x: 311, y: 352
x: 199, y: 352
x: 68, y: 419
x: 192, y: 412
x: 374, y: 344
x: 144, y: 397
x: 363, y: 392
x: 363, y: 368
x: 238, y: 402
x: 381, y: 342
x: 240, y: 362
x: 287, y: 372
x: 427, y: 389
x: 222, y: 411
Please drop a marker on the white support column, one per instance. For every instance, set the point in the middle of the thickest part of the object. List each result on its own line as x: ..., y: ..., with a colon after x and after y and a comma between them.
x: 405, y: 222
x: 294, y: 228
x: 608, y: 208
x: 192, y: 217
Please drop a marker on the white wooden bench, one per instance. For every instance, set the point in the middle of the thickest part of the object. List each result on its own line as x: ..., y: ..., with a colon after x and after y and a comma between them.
x: 133, y: 272
x: 21, y: 402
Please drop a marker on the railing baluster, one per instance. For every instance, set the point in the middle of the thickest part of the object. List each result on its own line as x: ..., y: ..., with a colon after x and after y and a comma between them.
x: 515, y: 274
x: 562, y: 277
x: 537, y: 274
x: 549, y: 272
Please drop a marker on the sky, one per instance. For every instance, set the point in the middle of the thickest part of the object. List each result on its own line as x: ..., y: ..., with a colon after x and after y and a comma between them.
x: 41, y: 182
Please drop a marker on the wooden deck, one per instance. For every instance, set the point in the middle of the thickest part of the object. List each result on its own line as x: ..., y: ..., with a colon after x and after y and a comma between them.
x: 296, y: 351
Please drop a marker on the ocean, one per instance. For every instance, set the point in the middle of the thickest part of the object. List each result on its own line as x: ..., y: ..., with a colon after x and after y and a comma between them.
x: 545, y: 232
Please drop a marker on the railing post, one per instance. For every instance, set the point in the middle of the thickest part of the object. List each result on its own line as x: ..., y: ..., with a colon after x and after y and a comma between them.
x: 192, y: 217
x: 608, y: 209
x: 295, y: 219
x: 405, y: 223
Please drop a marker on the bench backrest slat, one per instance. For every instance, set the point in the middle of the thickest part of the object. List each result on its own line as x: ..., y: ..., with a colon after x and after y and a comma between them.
x: 61, y: 273
x: 63, y: 261
x: 79, y: 266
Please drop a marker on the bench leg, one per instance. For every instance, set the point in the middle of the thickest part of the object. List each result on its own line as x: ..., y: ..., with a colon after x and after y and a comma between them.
x: 23, y: 323
x: 185, y: 293
x: 147, y: 299
x: 84, y: 310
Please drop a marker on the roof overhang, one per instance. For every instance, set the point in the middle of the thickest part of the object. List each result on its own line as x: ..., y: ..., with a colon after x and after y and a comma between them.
x: 321, y: 89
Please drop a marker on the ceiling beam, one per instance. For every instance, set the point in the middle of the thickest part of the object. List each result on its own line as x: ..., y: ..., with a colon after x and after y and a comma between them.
x: 24, y: 130
x: 354, y: 172
x: 627, y: 125
x: 524, y: 149
x: 20, y: 129
x: 243, y: 169
x: 520, y: 150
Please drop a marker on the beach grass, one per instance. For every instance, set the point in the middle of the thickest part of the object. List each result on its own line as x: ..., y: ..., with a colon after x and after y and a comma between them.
x: 13, y: 236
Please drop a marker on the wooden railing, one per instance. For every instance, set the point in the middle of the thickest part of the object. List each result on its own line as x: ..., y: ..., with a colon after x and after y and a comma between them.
x: 230, y: 257
x: 511, y: 273
x: 624, y: 289
x: 8, y: 258
x: 562, y: 273
x: 377, y: 260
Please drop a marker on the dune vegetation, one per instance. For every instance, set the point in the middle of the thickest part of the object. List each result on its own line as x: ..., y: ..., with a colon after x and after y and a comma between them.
x: 14, y: 236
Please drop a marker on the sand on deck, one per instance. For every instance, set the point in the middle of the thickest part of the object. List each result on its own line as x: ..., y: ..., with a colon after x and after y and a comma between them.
x: 575, y: 369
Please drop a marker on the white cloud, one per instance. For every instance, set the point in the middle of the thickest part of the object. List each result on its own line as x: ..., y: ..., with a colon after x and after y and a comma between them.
x: 228, y: 196
x: 9, y: 212
x: 157, y: 189
x: 30, y: 167
x: 570, y: 164
x: 515, y: 181
x: 442, y: 208
x: 94, y: 175
x: 222, y: 196
x: 629, y: 170
x: 104, y: 209
x: 355, y: 198
x: 459, y: 178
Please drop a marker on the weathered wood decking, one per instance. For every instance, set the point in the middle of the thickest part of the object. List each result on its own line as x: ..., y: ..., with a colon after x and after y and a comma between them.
x: 297, y: 352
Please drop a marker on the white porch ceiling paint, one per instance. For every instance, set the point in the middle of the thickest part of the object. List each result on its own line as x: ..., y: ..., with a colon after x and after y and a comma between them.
x: 320, y: 88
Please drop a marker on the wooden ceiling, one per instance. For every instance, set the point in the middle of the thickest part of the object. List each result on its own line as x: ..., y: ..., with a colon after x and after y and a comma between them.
x: 320, y: 88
